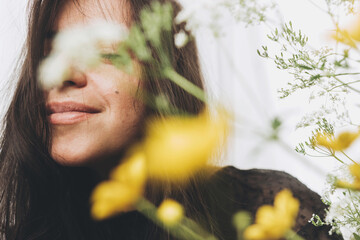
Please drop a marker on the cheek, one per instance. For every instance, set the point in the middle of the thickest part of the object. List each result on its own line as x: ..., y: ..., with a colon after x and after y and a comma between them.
x: 121, y: 92
x: 124, y: 110
x: 115, y: 77
x: 123, y: 101
x: 126, y: 124
x: 102, y: 137
x: 112, y: 130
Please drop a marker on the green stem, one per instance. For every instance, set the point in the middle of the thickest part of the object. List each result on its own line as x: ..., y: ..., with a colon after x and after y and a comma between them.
x: 178, y: 230
x: 345, y: 84
x: 185, y: 84
x: 354, y: 89
x: 333, y: 155
x: 344, y: 74
x: 349, y: 158
x: 166, y: 108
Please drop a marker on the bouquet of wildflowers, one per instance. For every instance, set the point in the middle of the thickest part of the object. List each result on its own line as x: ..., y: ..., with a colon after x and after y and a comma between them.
x: 331, y: 74
x: 194, y: 140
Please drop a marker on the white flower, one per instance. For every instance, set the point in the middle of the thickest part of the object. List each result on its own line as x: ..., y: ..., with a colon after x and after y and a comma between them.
x: 342, y: 212
x: 250, y: 12
x: 107, y: 33
x: 181, y: 39
x: 208, y: 14
x: 53, y: 71
x: 214, y: 15
x: 78, y: 48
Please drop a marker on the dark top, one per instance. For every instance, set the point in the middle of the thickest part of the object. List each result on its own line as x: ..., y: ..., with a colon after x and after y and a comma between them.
x: 230, y: 190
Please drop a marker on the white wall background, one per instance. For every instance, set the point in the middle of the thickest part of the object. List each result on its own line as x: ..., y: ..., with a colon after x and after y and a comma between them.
x: 251, y: 92
x: 12, y: 36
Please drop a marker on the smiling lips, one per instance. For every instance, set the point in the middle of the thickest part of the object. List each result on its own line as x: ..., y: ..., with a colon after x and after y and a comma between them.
x: 65, y: 113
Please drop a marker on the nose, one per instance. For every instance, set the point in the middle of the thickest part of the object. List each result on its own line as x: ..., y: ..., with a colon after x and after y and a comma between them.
x: 77, y: 79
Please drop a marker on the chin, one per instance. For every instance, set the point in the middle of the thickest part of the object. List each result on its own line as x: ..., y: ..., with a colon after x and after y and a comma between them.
x: 69, y: 157
x: 72, y: 160
x: 97, y: 160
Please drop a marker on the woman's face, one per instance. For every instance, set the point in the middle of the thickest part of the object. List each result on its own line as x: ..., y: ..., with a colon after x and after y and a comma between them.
x: 94, y: 114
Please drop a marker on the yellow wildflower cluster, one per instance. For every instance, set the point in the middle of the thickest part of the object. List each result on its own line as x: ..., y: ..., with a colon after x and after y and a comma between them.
x: 349, y: 36
x: 170, y: 212
x: 273, y: 222
x: 343, y: 141
x: 121, y: 192
x: 173, y: 149
x: 177, y: 147
x: 355, y: 172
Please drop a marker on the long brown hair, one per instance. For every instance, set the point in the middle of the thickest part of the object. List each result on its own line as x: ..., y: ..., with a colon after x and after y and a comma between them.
x: 36, y: 194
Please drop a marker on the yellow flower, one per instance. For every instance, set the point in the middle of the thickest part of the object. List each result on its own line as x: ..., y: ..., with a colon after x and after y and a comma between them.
x: 131, y: 171
x: 355, y: 171
x: 344, y: 36
x: 272, y: 222
x: 170, y: 212
x: 343, y: 141
x: 173, y: 149
x: 122, y: 191
x: 324, y: 139
x: 111, y: 197
x: 285, y: 203
x: 255, y: 232
x: 344, y: 184
x: 176, y: 147
x: 355, y: 185
x: 349, y: 36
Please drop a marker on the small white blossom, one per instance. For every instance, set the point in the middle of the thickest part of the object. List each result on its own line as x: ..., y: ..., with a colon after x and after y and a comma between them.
x: 214, y: 15
x: 250, y: 12
x: 342, y: 211
x: 106, y: 33
x: 53, y: 71
x: 181, y: 39
x: 203, y: 14
x: 78, y: 48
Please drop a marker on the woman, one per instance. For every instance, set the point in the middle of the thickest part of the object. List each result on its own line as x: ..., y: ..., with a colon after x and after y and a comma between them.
x: 58, y: 144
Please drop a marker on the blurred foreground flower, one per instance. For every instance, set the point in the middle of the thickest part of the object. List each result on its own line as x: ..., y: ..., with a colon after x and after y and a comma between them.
x: 132, y: 170
x: 342, y: 142
x: 170, y: 212
x: 174, y: 149
x: 122, y: 191
x: 181, y: 39
x: 202, y: 14
x: 355, y: 185
x: 177, y: 147
x: 273, y: 222
x: 77, y: 49
x: 350, y: 35
x: 344, y: 36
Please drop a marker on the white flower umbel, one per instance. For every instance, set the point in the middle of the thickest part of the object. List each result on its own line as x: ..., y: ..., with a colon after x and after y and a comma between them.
x: 53, y: 70
x: 78, y: 45
x: 107, y: 33
x: 250, y: 12
x: 214, y: 15
x: 342, y: 214
x: 203, y: 14
x: 181, y: 39
x: 78, y: 48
